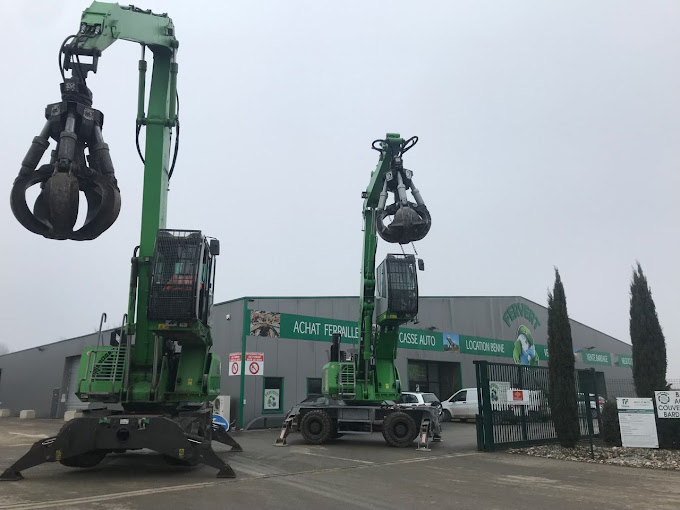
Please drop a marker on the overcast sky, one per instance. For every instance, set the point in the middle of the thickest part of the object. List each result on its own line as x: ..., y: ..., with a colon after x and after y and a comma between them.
x: 549, y: 136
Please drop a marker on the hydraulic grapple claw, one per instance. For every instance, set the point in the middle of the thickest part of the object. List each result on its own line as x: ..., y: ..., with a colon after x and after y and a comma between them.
x: 410, y: 223
x: 75, y: 125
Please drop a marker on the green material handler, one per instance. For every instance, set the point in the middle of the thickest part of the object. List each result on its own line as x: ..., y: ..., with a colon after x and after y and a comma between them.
x: 152, y: 386
x: 362, y: 391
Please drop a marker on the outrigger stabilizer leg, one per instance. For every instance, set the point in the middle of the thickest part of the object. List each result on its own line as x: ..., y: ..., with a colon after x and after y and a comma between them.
x: 285, y: 430
x: 84, y: 442
x: 222, y: 436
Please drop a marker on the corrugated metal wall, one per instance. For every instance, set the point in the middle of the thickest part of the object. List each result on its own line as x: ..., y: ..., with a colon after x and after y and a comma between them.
x: 29, y: 376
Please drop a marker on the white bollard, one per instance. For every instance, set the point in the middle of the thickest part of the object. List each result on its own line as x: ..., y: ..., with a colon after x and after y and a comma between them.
x: 5, y: 413
x: 69, y: 415
x: 27, y: 414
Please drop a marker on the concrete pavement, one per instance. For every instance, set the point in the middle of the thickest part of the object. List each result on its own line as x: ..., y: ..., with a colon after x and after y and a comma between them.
x: 359, y: 472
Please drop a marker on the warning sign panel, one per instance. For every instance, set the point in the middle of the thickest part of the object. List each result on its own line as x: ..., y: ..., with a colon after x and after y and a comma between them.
x: 254, y: 364
x: 235, y: 363
x: 518, y: 397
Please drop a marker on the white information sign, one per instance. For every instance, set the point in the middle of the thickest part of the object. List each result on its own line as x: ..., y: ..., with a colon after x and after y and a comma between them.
x: 667, y: 404
x: 499, y: 393
x: 235, y: 363
x: 636, y: 419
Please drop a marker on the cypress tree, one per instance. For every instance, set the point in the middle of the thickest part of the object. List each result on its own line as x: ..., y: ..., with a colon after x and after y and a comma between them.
x: 649, y: 345
x: 561, y: 370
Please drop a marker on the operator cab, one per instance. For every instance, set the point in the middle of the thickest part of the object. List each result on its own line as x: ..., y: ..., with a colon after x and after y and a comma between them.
x: 397, y: 288
x: 182, y: 278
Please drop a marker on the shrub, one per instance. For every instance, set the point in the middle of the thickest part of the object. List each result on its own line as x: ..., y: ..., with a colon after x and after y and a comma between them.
x: 611, y: 433
x: 669, y: 433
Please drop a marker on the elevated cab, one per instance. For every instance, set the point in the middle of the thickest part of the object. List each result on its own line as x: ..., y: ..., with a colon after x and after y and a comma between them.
x: 397, y: 289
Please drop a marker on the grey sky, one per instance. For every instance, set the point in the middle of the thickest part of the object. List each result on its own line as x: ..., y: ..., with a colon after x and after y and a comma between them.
x: 550, y: 135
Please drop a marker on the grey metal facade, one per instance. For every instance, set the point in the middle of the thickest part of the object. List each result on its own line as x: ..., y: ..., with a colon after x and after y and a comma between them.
x: 28, y: 378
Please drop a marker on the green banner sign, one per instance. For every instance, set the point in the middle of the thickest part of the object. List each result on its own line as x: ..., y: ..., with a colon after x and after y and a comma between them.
x: 625, y: 361
x: 302, y: 327
x: 319, y: 329
x: 420, y: 339
x: 597, y: 358
x: 486, y: 346
x: 305, y: 327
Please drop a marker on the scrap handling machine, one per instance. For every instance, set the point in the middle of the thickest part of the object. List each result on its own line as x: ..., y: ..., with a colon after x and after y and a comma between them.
x: 152, y: 388
x: 362, y: 392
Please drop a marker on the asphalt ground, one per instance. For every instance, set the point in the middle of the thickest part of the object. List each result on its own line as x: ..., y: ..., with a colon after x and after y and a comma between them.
x: 352, y: 472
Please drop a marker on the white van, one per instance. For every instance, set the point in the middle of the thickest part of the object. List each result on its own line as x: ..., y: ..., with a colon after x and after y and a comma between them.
x: 462, y: 405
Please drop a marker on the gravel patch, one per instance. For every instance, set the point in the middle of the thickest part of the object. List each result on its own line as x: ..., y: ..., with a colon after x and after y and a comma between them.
x: 613, y: 455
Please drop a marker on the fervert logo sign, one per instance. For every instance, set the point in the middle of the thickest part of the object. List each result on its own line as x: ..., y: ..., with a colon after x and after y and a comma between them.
x: 519, y: 310
x: 524, y: 349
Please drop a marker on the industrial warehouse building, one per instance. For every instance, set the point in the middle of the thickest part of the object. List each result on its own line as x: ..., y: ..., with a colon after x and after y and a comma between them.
x: 273, y: 348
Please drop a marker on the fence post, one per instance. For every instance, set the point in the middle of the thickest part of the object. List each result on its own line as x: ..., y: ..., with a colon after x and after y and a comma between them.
x: 484, y: 404
x: 479, y: 418
x: 523, y: 412
x: 598, y: 412
x: 588, y: 412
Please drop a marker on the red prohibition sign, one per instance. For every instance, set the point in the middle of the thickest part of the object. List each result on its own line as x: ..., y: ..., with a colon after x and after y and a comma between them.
x: 234, y: 367
x: 254, y: 367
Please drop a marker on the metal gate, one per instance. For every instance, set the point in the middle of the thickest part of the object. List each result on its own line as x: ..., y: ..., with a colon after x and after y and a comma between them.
x: 72, y: 401
x: 502, y: 424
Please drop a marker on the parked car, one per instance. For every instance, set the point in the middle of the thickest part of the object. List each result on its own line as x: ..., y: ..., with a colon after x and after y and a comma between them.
x: 418, y: 398
x: 314, y: 400
x: 462, y: 405
x: 593, y: 404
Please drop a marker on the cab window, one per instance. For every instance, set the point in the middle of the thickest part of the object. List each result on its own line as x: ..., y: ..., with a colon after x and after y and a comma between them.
x: 459, y: 397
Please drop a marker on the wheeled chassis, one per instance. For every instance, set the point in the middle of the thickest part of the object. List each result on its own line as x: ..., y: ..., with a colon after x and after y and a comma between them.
x: 366, y: 419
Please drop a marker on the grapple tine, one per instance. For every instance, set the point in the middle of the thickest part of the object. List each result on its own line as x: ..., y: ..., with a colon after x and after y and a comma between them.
x: 18, y: 201
x: 103, y: 199
x: 60, y: 195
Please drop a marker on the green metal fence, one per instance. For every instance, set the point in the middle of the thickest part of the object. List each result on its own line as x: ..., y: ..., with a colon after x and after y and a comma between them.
x: 503, y: 424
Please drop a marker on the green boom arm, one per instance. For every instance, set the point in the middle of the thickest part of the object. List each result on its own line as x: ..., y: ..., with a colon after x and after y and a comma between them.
x: 392, y: 147
x: 148, y: 376
x: 101, y: 25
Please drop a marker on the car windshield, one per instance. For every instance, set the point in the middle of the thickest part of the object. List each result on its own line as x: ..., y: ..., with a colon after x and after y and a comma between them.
x: 429, y: 397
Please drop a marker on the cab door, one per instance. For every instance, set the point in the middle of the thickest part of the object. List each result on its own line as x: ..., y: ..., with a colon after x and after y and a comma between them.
x: 458, y: 405
x: 471, y: 403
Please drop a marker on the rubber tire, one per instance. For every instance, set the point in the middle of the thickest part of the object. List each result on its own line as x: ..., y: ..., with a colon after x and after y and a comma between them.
x: 317, y: 427
x: 399, y: 429
x: 85, y: 460
x: 446, y: 415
